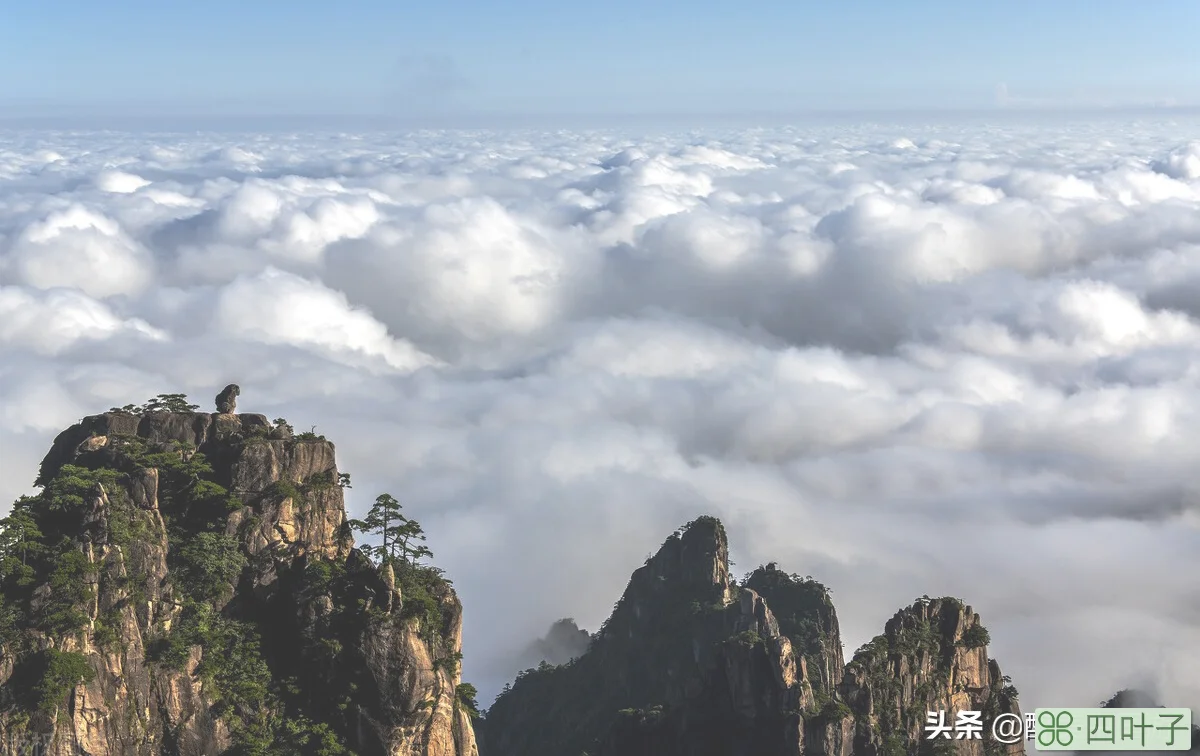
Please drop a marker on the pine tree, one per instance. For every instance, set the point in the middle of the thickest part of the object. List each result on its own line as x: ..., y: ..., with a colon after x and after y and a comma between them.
x: 403, y: 538
x: 170, y: 403
x: 20, y: 540
x: 410, y: 542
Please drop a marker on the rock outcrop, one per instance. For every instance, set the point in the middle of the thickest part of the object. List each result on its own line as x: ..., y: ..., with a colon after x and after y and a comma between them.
x: 227, y: 399
x: 186, y: 584
x: 932, y: 656
x: 692, y: 663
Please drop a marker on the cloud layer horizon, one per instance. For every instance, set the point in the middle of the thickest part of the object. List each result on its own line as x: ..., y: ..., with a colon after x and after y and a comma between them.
x: 950, y: 359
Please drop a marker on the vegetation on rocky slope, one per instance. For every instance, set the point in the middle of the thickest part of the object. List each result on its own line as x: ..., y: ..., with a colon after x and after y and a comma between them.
x: 165, y: 546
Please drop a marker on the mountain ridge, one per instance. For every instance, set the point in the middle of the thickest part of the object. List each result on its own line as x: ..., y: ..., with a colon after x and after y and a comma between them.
x: 750, y: 668
x: 187, y: 583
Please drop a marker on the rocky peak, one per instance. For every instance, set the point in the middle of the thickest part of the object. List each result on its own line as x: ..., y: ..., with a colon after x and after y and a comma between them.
x: 807, y: 617
x: 687, y: 576
x: 656, y: 648
x: 695, y: 560
x: 932, y: 656
x: 691, y: 664
x: 193, y: 587
x: 687, y: 657
x: 288, y: 483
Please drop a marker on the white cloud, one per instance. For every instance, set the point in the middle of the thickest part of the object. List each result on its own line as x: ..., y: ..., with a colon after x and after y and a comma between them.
x: 50, y: 322
x: 463, y: 271
x: 277, y: 308
x: 80, y: 248
x: 953, y: 358
x: 120, y: 182
x: 1182, y: 162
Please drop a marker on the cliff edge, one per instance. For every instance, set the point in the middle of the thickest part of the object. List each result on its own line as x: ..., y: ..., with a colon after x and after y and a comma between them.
x: 187, y: 583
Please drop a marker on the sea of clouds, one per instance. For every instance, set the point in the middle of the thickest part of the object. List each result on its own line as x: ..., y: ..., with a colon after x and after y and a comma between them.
x: 957, y: 358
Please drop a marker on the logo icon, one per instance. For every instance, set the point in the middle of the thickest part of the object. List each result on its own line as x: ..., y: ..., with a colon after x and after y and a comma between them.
x: 1114, y: 729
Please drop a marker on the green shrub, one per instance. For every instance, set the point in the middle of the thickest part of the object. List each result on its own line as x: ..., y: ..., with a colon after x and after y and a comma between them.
x: 466, y: 697
x: 70, y: 589
x: 748, y: 638
x: 320, y: 574
x: 282, y: 489
x: 106, y: 630
x: 449, y: 663
x: 300, y: 735
x: 256, y: 433
x: 874, y: 650
x: 833, y: 711
x: 208, y: 566
x: 975, y: 636
x: 62, y: 671
x: 8, y: 622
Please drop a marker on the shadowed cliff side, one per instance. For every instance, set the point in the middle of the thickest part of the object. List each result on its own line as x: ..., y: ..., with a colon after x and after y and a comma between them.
x: 693, y: 664
x: 186, y: 583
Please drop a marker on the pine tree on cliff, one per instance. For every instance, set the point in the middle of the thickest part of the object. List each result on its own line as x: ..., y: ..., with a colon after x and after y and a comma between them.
x: 160, y: 403
x: 402, y: 537
x: 19, y: 536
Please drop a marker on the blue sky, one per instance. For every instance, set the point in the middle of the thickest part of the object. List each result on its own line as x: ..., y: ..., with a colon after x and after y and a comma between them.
x: 462, y: 56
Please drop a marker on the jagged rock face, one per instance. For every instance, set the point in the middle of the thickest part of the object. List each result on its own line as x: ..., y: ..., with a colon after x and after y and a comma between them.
x: 246, y: 459
x: 748, y: 704
x: 400, y: 678
x: 128, y: 705
x: 807, y: 617
x: 932, y: 656
x: 686, y: 658
x: 381, y: 673
x: 749, y: 670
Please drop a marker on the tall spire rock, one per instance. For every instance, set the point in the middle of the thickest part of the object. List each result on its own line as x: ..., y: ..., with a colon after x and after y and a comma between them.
x: 190, y: 585
x: 686, y: 657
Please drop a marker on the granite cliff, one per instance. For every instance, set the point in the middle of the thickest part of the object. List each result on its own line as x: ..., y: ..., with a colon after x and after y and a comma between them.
x: 187, y: 584
x: 694, y: 663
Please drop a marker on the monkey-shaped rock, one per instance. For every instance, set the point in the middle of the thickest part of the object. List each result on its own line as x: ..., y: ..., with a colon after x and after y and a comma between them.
x: 227, y: 399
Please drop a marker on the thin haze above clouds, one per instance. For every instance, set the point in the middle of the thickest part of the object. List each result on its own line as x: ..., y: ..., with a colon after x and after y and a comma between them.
x: 467, y: 62
x: 905, y: 359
